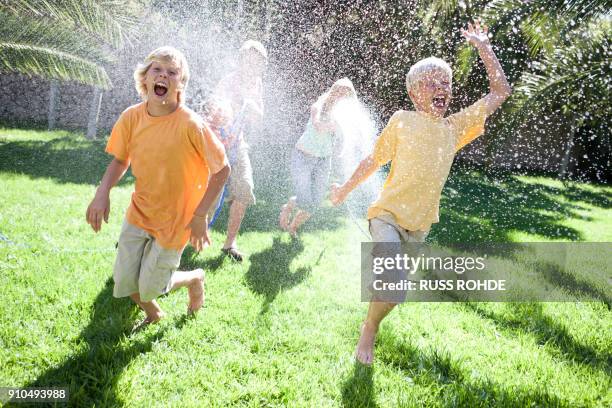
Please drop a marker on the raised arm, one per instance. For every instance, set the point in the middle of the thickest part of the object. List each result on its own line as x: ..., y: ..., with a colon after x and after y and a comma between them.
x: 366, y: 168
x: 99, y: 208
x: 498, y: 84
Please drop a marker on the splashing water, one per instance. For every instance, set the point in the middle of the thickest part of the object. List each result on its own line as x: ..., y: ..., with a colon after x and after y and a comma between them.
x: 358, y: 133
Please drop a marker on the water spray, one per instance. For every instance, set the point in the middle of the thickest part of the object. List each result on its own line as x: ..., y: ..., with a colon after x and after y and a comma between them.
x: 355, y: 221
x: 358, y: 133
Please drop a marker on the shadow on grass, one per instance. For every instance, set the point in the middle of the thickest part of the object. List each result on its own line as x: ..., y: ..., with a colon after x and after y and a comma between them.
x: 65, y: 159
x: 477, y: 208
x: 540, y: 277
x: 558, y: 276
x: 530, y: 318
x: 92, y: 374
x: 575, y: 192
x: 190, y: 260
x: 269, y: 272
x: 436, y: 369
x: 358, y: 390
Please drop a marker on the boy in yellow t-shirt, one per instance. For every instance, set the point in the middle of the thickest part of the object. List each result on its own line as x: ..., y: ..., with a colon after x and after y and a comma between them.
x: 421, y: 146
x: 179, y: 168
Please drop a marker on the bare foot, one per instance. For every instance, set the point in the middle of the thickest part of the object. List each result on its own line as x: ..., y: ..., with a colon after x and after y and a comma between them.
x: 285, y: 214
x: 365, y: 347
x: 300, y: 218
x: 196, y: 292
x: 292, y: 230
x: 147, y: 321
x: 283, y: 218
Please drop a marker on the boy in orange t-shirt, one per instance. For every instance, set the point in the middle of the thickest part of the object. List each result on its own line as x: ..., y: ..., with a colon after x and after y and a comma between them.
x: 179, y: 167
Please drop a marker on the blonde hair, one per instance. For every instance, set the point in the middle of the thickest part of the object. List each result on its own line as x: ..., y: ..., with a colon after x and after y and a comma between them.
x: 424, y: 67
x: 342, y: 83
x: 162, y: 54
x: 252, y: 45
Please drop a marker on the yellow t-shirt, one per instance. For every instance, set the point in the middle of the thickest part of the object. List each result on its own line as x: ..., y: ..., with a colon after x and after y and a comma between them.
x: 421, y: 149
x: 171, y: 157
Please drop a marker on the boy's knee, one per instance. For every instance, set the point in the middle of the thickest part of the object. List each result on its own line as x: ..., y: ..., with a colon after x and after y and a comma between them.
x: 243, y: 194
x: 149, y: 291
x: 156, y: 278
x: 242, y: 203
x: 126, y: 283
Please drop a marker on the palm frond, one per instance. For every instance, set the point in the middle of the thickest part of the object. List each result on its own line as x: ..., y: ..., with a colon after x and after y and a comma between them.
x: 113, y: 21
x: 65, y: 39
x: 579, y: 10
x: 444, y: 8
x: 544, y: 25
x: 47, y: 33
x: 571, y: 78
x: 582, y: 10
x: 466, y: 57
x: 49, y: 63
x: 542, y: 33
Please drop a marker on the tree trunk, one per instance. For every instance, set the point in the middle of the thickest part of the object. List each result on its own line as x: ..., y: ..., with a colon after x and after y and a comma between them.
x: 94, y: 112
x: 566, y: 156
x: 53, y: 102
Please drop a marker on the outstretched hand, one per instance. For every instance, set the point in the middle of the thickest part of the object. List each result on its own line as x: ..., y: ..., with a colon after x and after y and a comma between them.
x: 476, y: 35
x: 336, y: 195
x: 98, y: 210
x: 199, y: 238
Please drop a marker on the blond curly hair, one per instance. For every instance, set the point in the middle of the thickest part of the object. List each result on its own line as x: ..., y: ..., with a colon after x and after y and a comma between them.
x: 425, y: 67
x: 162, y: 54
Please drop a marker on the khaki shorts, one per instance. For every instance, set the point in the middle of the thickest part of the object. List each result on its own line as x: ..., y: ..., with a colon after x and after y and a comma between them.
x: 142, y: 266
x: 240, y: 183
x: 384, y: 229
x: 389, y: 236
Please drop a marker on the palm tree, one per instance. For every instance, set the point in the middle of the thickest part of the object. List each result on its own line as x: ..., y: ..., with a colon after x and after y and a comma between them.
x: 557, y: 53
x: 64, y: 39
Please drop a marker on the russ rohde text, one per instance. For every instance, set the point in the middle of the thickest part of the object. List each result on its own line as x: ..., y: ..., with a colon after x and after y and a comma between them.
x: 436, y: 285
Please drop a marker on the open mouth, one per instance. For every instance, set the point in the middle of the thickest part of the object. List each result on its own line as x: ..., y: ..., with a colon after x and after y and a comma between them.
x: 439, y: 101
x: 160, y: 89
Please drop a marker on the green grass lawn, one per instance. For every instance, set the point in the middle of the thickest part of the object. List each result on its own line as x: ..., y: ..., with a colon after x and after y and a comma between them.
x: 280, y: 329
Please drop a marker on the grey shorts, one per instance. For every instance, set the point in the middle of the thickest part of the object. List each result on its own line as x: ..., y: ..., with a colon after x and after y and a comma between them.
x: 240, y: 184
x: 388, y: 237
x: 310, y: 177
x: 142, y: 266
x: 384, y: 229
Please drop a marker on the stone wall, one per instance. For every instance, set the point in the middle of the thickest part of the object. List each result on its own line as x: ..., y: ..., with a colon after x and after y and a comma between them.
x: 23, y: 98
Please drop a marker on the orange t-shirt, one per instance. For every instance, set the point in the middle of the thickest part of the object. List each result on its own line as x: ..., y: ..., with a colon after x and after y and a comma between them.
x: 172, y: 157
